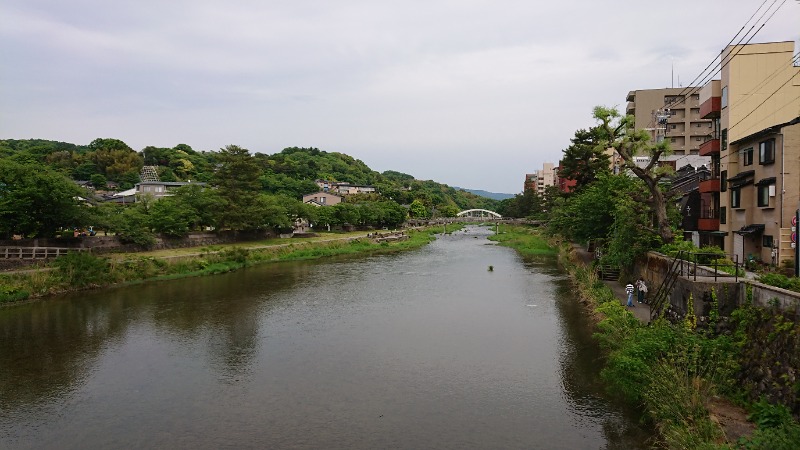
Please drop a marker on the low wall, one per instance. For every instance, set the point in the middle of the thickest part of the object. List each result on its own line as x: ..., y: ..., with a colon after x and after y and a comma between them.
x: 730, y: 291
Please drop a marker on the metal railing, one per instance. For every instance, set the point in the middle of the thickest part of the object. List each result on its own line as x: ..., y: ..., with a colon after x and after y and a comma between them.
x: 685, y: 263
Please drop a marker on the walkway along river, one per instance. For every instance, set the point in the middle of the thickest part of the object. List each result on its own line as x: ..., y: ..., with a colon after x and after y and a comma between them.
x: 422, y: 349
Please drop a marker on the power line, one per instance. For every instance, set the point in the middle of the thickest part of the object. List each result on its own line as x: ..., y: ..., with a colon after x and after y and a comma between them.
x: 683, y: 93
x: 726, y: 59
x: 729, y: 43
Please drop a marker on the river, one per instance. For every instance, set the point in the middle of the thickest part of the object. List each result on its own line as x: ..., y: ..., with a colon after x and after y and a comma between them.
x: 420, y: 349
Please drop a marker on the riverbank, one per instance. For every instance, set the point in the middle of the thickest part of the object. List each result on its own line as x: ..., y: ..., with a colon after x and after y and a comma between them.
x: 78, y: 271
x: 683, y: 376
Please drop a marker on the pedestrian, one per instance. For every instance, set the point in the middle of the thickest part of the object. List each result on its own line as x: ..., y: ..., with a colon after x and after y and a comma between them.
x: 641, y: 290
x: 629, y: 291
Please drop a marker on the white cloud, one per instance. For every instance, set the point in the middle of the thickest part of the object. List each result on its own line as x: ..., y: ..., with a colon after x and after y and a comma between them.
x: 472, y: 93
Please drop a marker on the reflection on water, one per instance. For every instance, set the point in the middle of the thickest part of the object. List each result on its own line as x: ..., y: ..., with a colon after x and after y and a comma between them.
x: 420, y: 349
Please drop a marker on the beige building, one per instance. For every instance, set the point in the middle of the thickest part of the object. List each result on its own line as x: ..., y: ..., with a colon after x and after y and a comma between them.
x: 541, y: 179
x: 671, y: 114
x: 755, y: 186
x: 322, y: 199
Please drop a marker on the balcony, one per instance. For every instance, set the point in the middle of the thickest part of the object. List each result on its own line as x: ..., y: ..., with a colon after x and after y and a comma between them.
x: 710, y: 109
x: 711, y: 100
x: 708, y: 220
x: 711, y: 185
x: 710, y: 147
x: 708, y: 224
x: 631, y: 109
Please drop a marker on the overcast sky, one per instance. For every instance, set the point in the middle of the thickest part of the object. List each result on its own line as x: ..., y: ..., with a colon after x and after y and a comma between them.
x: 471, y: 93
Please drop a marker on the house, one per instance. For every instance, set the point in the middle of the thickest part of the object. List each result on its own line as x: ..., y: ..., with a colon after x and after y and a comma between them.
x: 322, y: 198
x: 155, y: 189
x: 344, y: 188
x: 159, y: 189
x: 748, y: 203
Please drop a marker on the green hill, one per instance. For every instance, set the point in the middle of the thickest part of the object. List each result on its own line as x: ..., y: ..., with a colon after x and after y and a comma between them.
x: 290, y: 172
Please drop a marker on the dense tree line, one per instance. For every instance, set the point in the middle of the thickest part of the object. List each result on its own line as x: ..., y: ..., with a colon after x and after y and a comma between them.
x: 243, y: 191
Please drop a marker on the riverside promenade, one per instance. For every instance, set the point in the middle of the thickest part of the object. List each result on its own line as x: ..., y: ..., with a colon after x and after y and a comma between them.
x: 641, y: 311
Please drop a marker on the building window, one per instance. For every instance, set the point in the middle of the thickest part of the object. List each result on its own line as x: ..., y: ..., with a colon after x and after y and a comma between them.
x: 723, y: 215
x: 766, y: 152
x: 699, y: 124
x: 724, y: 99
x: 695, y: 96
x: 723, y: 181
x: 735, y: 197
x: 724, y: 139
x: 768, y: 241
x: 698, y: 139
x: 672, y: 140
x: 747, y: 156
x: 763, y: 195
x: 674, y: 126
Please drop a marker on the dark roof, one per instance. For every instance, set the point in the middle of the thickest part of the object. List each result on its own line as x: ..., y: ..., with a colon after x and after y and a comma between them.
x: 741, y: 176
x: 748, y: 229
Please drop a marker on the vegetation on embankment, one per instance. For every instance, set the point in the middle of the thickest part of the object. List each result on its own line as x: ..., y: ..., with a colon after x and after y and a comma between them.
x: 526, y: 240
x: 674, y: 371
x: 77, y: 271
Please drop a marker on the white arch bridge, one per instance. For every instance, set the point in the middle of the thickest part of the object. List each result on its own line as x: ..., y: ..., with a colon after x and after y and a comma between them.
x: 479, y: 213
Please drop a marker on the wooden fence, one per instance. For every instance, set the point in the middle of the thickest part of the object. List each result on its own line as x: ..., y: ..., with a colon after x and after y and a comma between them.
x: 36, y: 252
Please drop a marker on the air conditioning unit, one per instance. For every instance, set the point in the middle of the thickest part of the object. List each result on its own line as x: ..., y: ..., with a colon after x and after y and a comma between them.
x: 771, y: 190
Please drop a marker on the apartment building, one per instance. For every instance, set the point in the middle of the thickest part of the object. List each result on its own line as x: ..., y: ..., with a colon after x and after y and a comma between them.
x: 748, y: 203
x: 540, y: 179
x: 671, y: 114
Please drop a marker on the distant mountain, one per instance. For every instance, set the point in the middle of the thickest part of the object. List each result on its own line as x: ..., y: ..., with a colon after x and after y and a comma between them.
x: 487, y: 194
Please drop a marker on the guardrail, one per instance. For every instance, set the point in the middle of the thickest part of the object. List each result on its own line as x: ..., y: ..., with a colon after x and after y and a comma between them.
x: 36, y: 252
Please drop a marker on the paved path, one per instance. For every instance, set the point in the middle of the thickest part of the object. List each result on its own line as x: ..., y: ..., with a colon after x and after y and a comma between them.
x: 641, y: 310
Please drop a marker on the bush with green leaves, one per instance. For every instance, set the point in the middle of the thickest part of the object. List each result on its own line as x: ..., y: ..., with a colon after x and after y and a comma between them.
x: 781, y: 281
x: 10, y: 294
x: 82, y: 269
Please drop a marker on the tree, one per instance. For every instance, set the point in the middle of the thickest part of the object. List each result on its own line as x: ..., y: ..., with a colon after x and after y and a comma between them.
x: 620, y: 134
x: 584, y: 159
x: 205, y: 204
x: 35, y: 201
x: 98, y: 181
x: 610, y: 210
x: 237, y: 180
x: 172, y: 217
x: 448, y: 210
x: 113, y: 158
x: 418, y: 210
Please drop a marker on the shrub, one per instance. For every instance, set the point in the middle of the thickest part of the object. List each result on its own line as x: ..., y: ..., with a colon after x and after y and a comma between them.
x: 781, y: 281
x: 82, y: 269
x: 10, y: 294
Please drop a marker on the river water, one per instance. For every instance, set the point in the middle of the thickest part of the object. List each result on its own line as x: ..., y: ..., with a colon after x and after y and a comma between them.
x: 421, y: 349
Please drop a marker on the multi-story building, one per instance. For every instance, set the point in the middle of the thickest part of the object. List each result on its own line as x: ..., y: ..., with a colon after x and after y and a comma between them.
x: 672, y: 114
x: 754, y: 189
x: 540, y: 179
x: 564, y: 184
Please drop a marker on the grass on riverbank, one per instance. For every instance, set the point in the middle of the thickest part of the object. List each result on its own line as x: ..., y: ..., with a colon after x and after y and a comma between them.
x: 85, y: 271
x: 526, y: 240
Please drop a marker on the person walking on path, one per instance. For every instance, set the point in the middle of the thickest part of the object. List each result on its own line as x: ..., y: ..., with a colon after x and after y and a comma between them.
x: 629, y: 291
x: 641, y: 290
